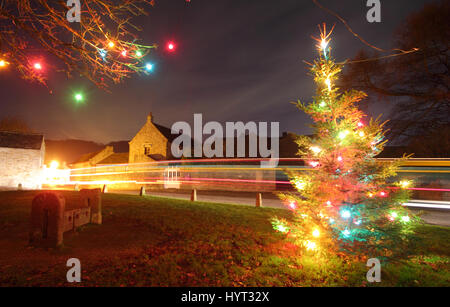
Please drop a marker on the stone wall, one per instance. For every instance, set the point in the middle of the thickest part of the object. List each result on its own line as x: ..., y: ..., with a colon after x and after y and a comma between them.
x: 148, y: 136
x: 21, y: 166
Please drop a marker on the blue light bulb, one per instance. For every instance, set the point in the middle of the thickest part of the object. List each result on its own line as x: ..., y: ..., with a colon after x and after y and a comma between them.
x: 345, y: 214
x: 149, y: 67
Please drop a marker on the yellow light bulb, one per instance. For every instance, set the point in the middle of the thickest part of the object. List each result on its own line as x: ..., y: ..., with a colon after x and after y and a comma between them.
x: 328, y: 83
x: 2, y: 63
x: 316, y: 233
x: 405, y: 183
x: 111, y: 44
x: 299, y: 184
x: 343, y: 134
x: 315, y: 149
x: 310, y: 245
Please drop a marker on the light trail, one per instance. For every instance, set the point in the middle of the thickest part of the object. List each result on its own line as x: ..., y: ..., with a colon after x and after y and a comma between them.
x: 430, y: 204
x: 191, y: 161
x: 190, y: 180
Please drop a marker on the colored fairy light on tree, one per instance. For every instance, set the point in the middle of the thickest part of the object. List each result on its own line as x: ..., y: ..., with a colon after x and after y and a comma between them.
x: 345, y: 214
x: 405, y: 183
x: 37, y: 66
x: 343, y: 134
x: 346, y: 233
x: 299, y: 183
x: 74, y: 50
x: 349, y: 202
x: 171, y: 46
x: 310, y: 245
x: 138, y: 53
x: 316, y: 149
x: 316, y: 233
x: 314, y: 163
x: 149, y: 67
x: 79, y: 97
x: 292, y: 205
x: 2, y: 63
x: 102, y: 53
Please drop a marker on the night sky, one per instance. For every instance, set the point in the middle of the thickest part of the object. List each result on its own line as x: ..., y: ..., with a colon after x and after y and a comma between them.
x: 235, y: 60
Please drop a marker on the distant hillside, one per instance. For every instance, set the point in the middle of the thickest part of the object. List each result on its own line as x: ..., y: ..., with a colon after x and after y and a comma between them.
x: 70, y: 150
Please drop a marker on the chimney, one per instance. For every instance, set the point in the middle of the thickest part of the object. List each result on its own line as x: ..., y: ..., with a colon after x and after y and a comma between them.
x: 150, y: 117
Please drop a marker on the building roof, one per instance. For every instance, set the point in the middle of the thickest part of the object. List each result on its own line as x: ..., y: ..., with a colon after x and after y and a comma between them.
x: 115, y: 158
x: 87, y: 157
x: 167, y: 132
x: 21, y: 140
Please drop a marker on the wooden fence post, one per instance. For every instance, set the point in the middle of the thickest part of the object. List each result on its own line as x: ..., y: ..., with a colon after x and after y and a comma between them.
x: 142, y: 192
x: 258, y: 200
x: 194, y: 195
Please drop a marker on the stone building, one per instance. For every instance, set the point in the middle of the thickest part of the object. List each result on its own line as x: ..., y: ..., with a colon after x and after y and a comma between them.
x: 151, y: 143
x: 21, y: 160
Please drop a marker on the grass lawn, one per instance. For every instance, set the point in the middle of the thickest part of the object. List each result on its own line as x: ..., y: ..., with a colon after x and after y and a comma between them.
x: 155, y: 241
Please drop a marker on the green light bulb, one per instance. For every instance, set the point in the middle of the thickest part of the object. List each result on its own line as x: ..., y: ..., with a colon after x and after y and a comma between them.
x: 79, y: 97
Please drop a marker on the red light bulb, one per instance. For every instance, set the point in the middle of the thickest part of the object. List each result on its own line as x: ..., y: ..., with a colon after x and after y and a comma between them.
x: 37, y: 66
x: 171, y: 46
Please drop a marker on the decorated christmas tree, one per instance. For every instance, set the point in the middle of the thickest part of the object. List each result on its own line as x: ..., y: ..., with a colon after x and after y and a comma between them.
x: 346, y: 202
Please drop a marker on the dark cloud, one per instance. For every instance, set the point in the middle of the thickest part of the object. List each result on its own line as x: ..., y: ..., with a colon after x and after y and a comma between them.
x: 236, y: 60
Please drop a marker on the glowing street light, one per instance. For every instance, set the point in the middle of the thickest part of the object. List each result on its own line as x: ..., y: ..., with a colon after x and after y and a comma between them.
x: 54, y: 164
